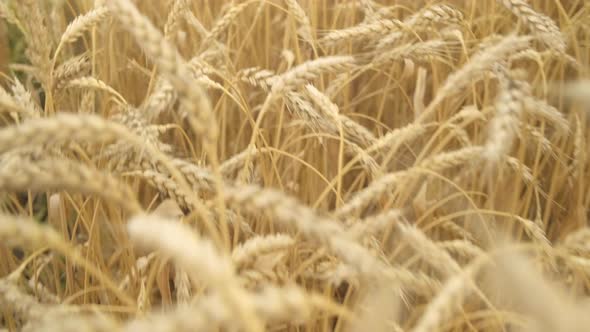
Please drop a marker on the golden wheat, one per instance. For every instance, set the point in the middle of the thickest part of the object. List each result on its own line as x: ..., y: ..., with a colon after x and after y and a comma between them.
x: 293, y: 165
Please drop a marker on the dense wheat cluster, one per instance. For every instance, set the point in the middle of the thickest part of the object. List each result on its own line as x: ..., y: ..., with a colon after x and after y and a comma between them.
x: 294, y: 165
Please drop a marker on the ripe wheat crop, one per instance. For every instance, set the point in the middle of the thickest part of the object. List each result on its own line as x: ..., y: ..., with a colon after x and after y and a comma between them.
x: 294, y: 165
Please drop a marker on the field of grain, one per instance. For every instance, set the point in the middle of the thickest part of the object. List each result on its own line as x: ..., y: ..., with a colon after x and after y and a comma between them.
x: 294, y: 165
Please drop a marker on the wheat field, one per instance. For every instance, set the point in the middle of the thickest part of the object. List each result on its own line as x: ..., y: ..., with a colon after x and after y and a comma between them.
x: 294, y: 165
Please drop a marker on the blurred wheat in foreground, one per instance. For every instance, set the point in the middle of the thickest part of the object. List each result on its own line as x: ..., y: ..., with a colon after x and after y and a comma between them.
x: 294, y: 165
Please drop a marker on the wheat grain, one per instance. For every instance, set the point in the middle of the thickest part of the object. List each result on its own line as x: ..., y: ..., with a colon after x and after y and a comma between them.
x: 182, y: 286
x: 310, y: 147
x: 262, y: 78
x: 18, y: 175
x: 480, y: 62
x: 8, y: 102
x: 395, y: 138
x: 326, y: 232
x: 160, y: 100
x: 172, y: 66
x: 539, y: 137
x: 223, y: 23
x: 435, y: 163
x: 81, y: 24
x: 36, y: 32
x: 305, y: 31
x: 258, y: 246
x: 428, y: 250
x: 504, y: 126
x: 72, y: 68
x: 353, y: 130
x: 60, y: 129
x: 375, y: 224
x: 365, y: 31
x: 539, y: 23
x: 174, y: 16
x: 22, y: 304
x: 310, y: 70
x: 462, y: 248
x: 319, y: 122
x: 95, y: 83
x: 425, y: 18
x: 24, y: 98
x: 540, y: 108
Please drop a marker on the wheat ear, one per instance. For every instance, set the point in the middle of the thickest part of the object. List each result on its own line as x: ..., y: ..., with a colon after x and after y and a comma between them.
x: 504, y: 126
x: 483, y: 61
x: 435, y: 163
x: 200, y: 259
x: 19, y: 175
x: 175, y: 69
x: 540, y: 24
